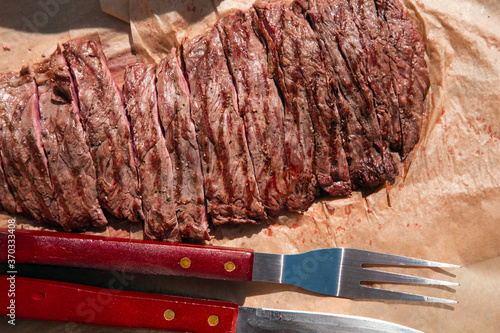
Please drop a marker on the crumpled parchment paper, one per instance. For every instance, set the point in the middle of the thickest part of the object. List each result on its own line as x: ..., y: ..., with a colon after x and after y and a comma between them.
x: 445, y: 206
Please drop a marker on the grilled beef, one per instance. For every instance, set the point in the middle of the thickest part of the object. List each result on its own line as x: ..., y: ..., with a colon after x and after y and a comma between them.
x: 275, y: 104
x: 180, y: 134
x: 230, y: 187
x: 23, y: 158
x: 376, y: 56
x: 107, y: 129
x: 7, y: 201
x: 153, y: 159
x: 409, y: 69
x: 69, y: 163
x: 259, y: 105
x: 368, y: 157
x: 299, y: 133
x: 306, y: 90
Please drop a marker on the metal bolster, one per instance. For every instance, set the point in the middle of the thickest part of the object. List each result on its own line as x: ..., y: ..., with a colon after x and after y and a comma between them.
x: 267, y: 267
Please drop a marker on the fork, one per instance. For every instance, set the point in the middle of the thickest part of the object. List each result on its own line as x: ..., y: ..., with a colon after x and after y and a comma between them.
x: 338, y: 272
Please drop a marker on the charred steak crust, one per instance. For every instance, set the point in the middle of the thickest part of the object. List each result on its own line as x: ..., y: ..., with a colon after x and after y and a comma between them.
x: 153, y: 159
x: 107, y: 129
x: 260, y: 106
x: 23, y: 158
x: 230, y: 187
x: 69, y: 162
x: 180, y: 134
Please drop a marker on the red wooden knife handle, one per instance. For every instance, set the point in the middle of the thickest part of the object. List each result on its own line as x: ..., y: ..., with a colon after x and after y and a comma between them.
x: 57, y: 301
x: 126, y: 255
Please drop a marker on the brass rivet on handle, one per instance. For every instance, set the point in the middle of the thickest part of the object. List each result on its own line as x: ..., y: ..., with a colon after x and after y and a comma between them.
x: 213, y: 320
x: 185, y: 262
x: 169, y: 315
x: 229, y: 266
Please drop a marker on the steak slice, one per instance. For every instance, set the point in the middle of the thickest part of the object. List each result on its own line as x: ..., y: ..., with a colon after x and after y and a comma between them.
x: 260, y: 107
x: 180, y: 135
x: 306, y: 86
x: 412, y: 80
x: 107, y: 129
x: 7, y: 201
x: 377, y: 58
x: 23, y: 158
x: 370, y: 163
x: 230, y: 187
x: 154, y: 163
x: 299, y: 132
x: 70, y: 165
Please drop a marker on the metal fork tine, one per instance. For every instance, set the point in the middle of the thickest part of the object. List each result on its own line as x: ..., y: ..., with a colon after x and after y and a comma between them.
x: 378, y: 276
x: 375, y: 293
x: 368, y: 257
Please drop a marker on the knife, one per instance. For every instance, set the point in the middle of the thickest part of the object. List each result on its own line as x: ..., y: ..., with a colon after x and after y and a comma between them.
x: 317, y: 271
x: 67, y: 302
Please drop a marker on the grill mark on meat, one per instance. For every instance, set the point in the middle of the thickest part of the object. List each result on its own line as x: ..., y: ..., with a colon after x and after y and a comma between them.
x: 230, y: 187
x: 154, y: 163
x: 7, y: 200
x: 299, y: 134
x: 412, y: 81
x: 259, y: 105
x: 69, y: 161
x: 180, y: 135
x: 23, y: 158
x: 108, y: 131
x: 370, y: 163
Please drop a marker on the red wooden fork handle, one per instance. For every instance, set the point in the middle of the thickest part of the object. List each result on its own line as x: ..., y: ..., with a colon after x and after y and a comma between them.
x: 127, y: 255
x: 67, y: 302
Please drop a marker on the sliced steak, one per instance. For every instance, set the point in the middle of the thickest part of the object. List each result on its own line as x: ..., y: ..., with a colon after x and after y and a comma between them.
x: 370, y: 162
x: 180, y: 134
x: 260, y: 107
x: 107, y: 129
x: 7, y: 201
x: 154, y: 163
x: 70, y: 164
x: 306, y: 92
x: 412, y: 80
x: 376, y: 54
x: 23, y: 158
x: 230, y: 187
x: 299, y: 133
